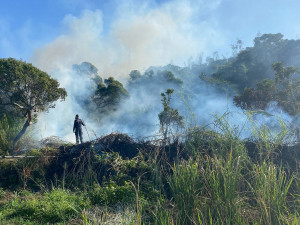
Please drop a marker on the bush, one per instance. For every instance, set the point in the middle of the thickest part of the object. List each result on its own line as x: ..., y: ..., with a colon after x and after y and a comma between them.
x: 54, y: 206
x: 9, y: 127
x: 111, y: 194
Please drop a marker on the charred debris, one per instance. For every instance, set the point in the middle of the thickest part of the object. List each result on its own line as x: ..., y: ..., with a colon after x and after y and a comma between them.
x: 126, y: 147
x: 119, y: 155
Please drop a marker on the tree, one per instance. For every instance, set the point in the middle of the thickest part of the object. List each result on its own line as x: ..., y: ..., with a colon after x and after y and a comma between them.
x: 287, y: 88
x: 25, y: 90
x: 89, y: 70
x: 257, y: 98
x: 109, y: 94
x: 252, y: 64
x: 169, y: 116
x: 283, y: 90
x: 134, y: 75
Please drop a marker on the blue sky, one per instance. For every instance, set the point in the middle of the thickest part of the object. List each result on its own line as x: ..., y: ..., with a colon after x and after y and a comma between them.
x: 135, y: 34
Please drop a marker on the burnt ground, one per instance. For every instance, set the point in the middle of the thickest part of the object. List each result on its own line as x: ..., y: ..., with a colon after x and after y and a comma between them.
x: 74, y: 162
x: 96, y: 153
x: 128, y: 148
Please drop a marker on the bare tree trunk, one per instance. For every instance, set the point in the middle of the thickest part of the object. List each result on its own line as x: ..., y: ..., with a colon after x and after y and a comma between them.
x: 20, y: 134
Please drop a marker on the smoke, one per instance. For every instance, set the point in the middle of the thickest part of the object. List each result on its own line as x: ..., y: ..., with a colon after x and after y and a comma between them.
x: 59, y: 121
x: 140, y: 35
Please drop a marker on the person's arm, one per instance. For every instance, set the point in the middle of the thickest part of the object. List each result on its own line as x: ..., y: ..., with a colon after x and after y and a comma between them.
x: 82, y: 123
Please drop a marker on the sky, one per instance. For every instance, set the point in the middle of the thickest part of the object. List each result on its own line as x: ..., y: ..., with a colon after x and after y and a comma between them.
x: 118, y: 36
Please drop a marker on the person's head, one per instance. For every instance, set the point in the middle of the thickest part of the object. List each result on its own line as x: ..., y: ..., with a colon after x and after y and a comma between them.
x: 76, y: 117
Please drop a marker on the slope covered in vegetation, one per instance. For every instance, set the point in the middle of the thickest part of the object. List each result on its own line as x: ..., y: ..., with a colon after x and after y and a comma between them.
x: 207, y: 178
x: 188, y: 172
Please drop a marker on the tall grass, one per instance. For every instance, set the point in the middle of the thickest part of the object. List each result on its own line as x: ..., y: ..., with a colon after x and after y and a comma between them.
x: 220, y: 185
x: 271, y: 187
x: 186, y: 185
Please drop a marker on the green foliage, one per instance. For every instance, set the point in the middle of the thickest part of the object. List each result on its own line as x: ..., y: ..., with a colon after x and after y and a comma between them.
x: 25, y: 87
x: 283, y: 90
x: 90, y: 71
x: 9, y: 128
x: 252, y: 64
x: 111, y: 194
x: 169, y: 117
x: 135, y: 75
x: 85, y: 68
x: 34, y: 152
x: 152, y: 80
x: 205, y: 141
x: 221, y: 186
x: 271, y: 188
x: 257, y: 98
x: 26, y: 90
x: 162, y: 215
x: 53, y: 207
x: 2, y: 193
x: 268, y: 139
x: 215, y: 183
x: 185, y: 185
x: 109, y: 95
x: 169, y: 77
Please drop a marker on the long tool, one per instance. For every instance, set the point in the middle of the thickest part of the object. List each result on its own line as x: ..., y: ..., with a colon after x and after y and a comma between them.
x: 87, y: 132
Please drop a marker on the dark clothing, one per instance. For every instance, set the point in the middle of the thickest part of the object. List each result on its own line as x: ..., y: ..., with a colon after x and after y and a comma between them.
x: 77, y: 124
x: 77, y: 128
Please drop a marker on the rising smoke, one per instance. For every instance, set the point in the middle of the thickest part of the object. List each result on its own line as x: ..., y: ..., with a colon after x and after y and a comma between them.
x: 139, y: 37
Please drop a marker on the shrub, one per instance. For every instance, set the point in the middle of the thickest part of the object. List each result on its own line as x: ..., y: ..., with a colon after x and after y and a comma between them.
x: 111, y: 194
x: 54, y: 206
x: 9, y: 127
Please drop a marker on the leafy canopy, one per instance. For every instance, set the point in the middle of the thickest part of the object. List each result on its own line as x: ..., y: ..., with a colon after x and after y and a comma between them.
x: 282, y: 90
x: 109, y: 94
x: 24, y: 87
x: 253, y: 63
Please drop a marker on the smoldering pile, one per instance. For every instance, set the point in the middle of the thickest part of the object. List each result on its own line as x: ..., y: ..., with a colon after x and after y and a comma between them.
x: 99, y: 159
x: 128, y: 148
x: 119, y: 143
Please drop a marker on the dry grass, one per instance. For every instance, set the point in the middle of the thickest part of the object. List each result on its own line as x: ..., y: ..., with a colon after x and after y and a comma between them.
x: 109, y: 215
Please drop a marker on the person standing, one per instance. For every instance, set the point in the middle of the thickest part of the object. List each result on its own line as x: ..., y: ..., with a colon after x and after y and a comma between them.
x: 77, y: 129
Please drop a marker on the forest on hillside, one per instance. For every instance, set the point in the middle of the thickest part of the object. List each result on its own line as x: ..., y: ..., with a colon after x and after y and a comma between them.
x: 213, y: 142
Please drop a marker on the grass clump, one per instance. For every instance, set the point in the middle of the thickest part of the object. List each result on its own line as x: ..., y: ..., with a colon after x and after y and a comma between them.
x: 111, y: 194
x: 186, y: 185
x: 54, y: 206
x: 271, y: 188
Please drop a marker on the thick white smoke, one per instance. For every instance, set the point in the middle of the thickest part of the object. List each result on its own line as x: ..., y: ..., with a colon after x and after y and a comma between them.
x: 59, y: 121
x: 139, y: 36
